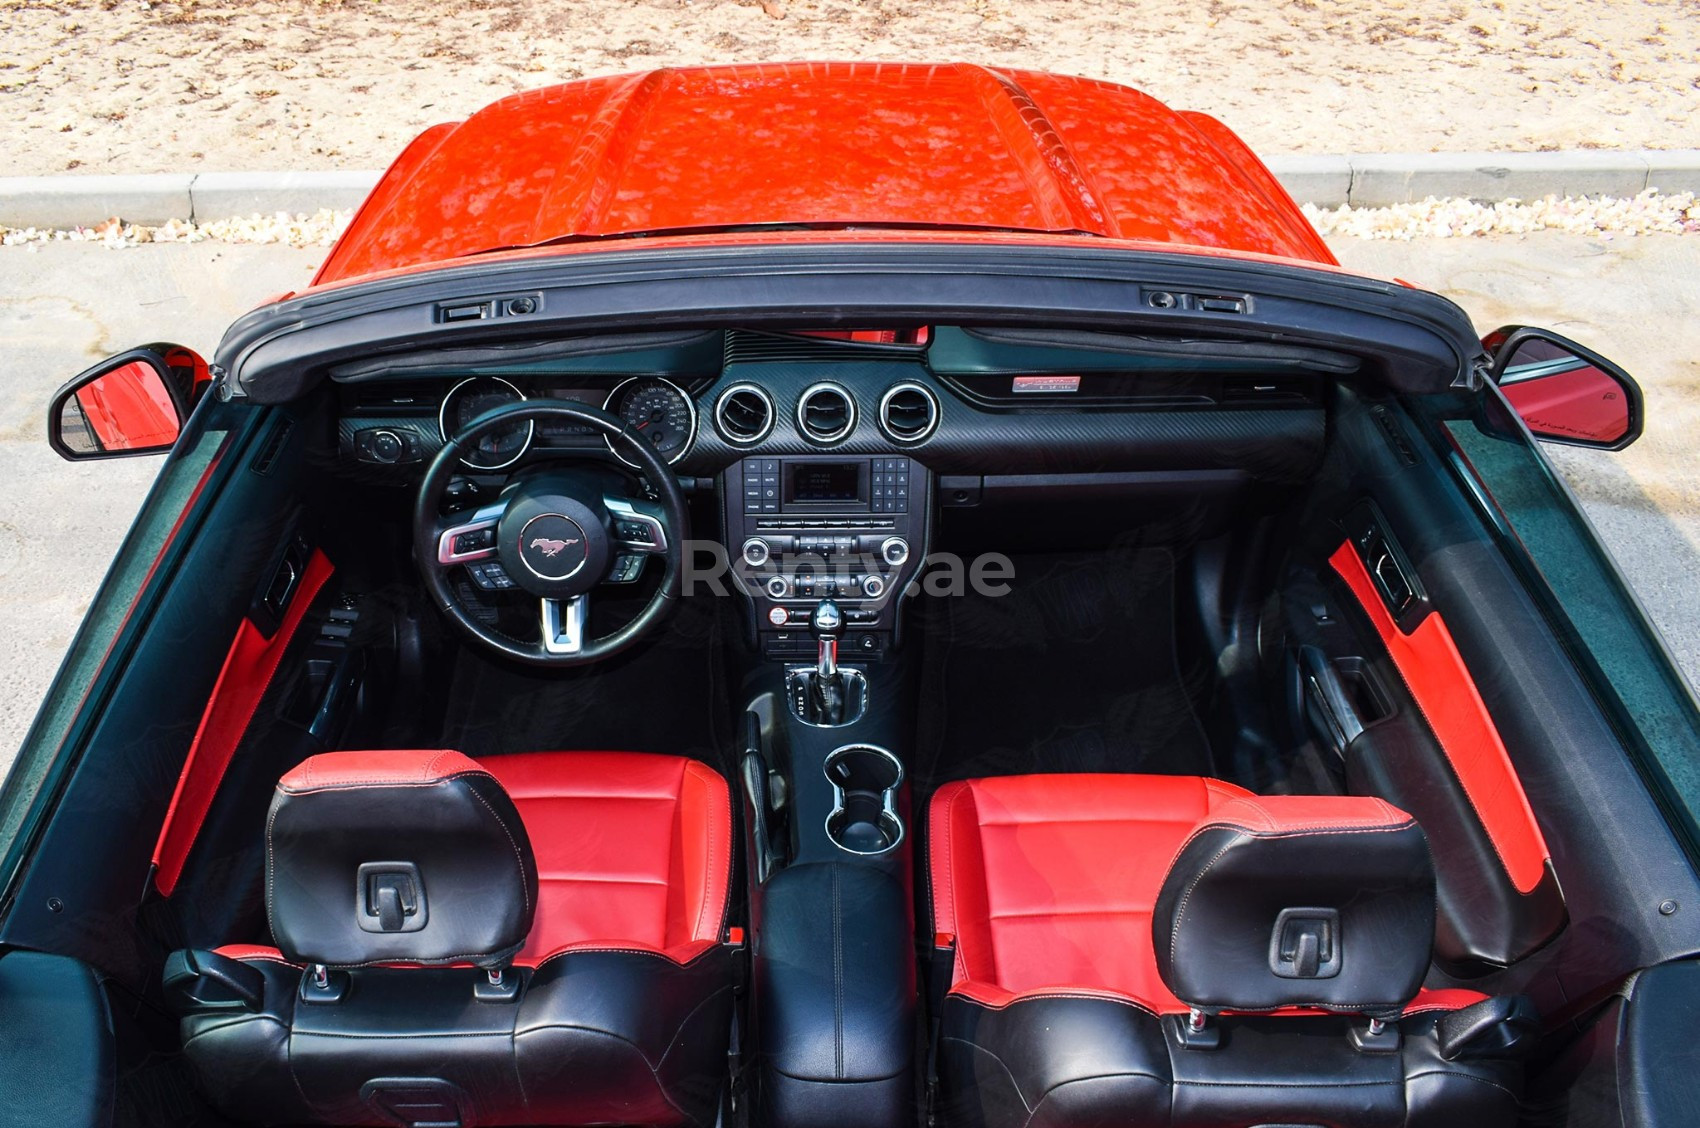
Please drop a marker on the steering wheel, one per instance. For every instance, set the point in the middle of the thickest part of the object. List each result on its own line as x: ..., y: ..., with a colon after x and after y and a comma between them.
x: 556, y: 536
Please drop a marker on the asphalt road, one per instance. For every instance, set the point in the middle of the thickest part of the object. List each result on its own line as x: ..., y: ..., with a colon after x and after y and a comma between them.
x: 63, y: 307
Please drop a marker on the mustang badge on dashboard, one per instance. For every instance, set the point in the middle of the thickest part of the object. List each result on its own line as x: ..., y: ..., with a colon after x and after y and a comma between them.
x: 551, y: 547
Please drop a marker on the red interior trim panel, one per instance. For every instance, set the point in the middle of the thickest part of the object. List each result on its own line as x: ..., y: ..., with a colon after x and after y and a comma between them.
x: 1440, y: 683
x: 248, y: 671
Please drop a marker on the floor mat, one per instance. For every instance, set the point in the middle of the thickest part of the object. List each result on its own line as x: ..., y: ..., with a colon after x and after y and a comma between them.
x: 665, y: 695
x: 1074, y: 670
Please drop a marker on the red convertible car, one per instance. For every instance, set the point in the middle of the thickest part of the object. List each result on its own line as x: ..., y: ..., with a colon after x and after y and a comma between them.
x: 852, y: 595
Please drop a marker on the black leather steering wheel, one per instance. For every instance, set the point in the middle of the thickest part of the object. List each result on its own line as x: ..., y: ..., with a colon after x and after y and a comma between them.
x: 554, y: 538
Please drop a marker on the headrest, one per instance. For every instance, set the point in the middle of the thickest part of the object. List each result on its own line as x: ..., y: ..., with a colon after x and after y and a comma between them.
x: 397, y: 857
x: 1298, y: 900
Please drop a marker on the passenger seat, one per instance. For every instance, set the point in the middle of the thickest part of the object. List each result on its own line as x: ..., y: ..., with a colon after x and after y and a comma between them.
x: 1175, y: 951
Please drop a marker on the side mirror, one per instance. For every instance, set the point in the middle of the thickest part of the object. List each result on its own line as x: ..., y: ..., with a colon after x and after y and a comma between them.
x: 1564, y: 392
x: 133, y: 403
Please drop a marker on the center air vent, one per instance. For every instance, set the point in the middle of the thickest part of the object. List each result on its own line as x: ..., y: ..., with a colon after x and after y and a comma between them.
x: 825, y: 413
x: 908, y: 413
x: 743, y: 414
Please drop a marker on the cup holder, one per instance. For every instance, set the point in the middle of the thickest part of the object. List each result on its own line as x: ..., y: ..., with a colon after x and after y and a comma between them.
x: 865, y: 780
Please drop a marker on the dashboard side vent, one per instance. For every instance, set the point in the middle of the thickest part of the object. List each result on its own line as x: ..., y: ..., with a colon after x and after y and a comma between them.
x: 825, y: 413
x: 1285, y: 388
x: 398, y: 395
x: 908, y: 413
x: 744, y: 414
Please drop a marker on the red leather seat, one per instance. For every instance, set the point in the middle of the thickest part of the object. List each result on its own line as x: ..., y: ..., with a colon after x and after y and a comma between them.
x: 531, y: 939
x: 1061, y: 1010
x: 633, y: 850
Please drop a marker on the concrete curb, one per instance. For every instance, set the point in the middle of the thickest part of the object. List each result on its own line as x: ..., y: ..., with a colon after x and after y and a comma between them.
x: 1366, y: 180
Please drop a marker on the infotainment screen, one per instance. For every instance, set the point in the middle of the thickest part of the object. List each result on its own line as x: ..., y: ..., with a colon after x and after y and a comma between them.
x: 822, y: 481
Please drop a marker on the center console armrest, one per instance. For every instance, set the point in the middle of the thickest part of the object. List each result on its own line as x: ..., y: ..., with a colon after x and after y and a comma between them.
x: 835, y: 996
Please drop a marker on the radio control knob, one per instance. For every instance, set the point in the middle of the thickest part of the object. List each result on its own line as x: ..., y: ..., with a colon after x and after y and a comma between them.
x: 873, y: 586
x: 756, y: 552
x: 894, y: 551
x: 778, y: 587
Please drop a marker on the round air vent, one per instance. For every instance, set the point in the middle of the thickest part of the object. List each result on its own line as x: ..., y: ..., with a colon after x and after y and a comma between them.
x: 743, y: 414
x: 908, y: 413
x: 825, y: 413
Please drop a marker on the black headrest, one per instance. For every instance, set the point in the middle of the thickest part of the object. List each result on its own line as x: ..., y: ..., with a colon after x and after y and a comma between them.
x: 1298, y: 900
x: 397, y: 857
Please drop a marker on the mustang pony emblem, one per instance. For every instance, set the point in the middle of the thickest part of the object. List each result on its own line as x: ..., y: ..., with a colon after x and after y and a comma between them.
x: 549, y: 546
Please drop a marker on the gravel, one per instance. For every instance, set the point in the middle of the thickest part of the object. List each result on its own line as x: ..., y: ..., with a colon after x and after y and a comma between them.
x: 1649, y: 213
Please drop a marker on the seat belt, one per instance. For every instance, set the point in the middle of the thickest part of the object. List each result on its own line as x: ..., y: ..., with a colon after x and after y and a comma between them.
x: 941, y: 971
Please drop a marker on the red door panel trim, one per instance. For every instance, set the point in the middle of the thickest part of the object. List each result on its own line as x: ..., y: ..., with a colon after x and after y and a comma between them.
x: 1438, y: 679
x: 247, y: 672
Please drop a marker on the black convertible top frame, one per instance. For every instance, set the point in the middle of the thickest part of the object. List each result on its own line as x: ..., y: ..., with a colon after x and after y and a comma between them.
x: 1417, y: 341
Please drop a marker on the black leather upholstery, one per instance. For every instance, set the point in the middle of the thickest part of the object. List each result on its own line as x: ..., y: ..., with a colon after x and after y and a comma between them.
x: 1066, y: 1062
x: 594, y: 1033
x: 1367, y: 889
x: 835, y: 988
x: 594, y: 1037
x: 442, y: 835
x: 1320, y: 904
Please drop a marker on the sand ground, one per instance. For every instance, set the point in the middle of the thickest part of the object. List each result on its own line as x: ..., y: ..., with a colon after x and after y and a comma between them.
x: 101, y: 86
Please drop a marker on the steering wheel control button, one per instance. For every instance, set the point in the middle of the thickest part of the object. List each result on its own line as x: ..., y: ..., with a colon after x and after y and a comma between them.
x: 478, y: 540
x: 490, y: 576
x: 627, y: 567
x: 553, y: 546
x: 634, y: 532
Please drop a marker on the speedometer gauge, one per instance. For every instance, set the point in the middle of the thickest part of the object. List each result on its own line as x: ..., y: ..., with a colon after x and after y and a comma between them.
x: 473, y: 397
x: 659, y: 411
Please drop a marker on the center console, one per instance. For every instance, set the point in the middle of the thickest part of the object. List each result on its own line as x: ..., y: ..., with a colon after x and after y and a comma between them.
x: 851, y: 528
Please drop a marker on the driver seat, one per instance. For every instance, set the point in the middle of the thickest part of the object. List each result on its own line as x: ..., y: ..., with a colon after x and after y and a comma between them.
x: 531, y: 939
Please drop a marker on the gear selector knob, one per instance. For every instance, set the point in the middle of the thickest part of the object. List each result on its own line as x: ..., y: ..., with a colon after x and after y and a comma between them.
x: 826, y: 623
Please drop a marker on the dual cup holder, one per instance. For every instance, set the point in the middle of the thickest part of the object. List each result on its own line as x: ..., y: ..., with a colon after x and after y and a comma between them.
x: 865, y: 781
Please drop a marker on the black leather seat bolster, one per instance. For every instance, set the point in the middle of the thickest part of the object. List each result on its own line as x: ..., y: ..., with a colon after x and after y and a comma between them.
x: 241, y: 1056
x: 1068, y: 1062
x: 641, y: 1038
x: 1060, y: 1060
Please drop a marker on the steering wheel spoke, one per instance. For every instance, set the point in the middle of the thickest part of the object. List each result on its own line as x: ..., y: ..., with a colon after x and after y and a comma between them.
x: 562, y: 622
x: 470, y: 540
x: 638, y: 526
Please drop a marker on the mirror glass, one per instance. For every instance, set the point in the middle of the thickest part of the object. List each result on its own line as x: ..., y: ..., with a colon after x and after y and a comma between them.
x: 126, y: 410
x: 1564, y: 397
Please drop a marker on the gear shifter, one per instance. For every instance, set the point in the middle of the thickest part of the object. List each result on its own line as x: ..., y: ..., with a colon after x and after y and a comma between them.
x: 826, y: 687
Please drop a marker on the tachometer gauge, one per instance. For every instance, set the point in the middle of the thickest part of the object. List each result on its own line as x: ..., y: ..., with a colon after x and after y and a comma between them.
x: 473, y: 397
x: 659, y: 411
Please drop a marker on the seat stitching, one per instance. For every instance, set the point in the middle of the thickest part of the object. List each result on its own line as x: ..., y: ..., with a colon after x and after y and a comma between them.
x: 1180, y: 910
x: 837, y: 979
x: 519, y: 857
x: 1461, y: 1076
x: 546, y: 960
x: 1102, y: 998
x: 356, y: 785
